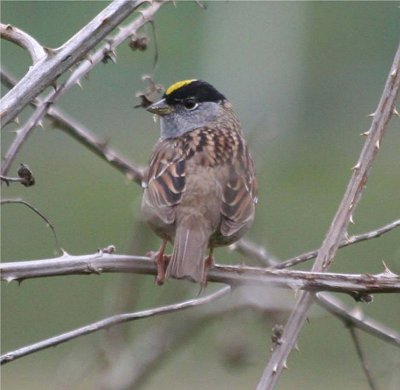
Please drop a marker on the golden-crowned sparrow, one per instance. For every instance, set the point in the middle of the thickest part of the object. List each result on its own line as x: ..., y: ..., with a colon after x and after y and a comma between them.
x: 200, y: 187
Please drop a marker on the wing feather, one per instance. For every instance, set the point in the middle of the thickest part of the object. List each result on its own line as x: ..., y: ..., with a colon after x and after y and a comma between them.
x: 165, y: 180
x: 240, y: 194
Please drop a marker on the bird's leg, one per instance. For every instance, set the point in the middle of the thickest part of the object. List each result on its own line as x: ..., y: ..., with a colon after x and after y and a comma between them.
x: 160, y: 260
x: 209, y: 259
x: 209, y: 263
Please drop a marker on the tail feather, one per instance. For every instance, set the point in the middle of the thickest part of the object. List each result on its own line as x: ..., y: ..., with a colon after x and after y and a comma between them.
x: 190, y: 248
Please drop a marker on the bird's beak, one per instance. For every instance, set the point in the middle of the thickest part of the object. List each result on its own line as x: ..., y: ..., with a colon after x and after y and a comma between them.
x: 160, y: 108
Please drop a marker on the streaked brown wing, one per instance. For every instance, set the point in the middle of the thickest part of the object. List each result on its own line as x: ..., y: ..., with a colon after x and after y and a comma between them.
x: 240, y: 194
x: 165, y: 180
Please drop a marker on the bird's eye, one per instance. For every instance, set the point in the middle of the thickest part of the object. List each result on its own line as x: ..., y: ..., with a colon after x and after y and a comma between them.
x: 190, y: 104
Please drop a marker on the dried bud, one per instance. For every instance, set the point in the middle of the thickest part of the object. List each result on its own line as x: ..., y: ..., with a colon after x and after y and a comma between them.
x: 138, y: 43
x: 109, y: 55
x: 144, y: 101
x: 150, y: 94
x: 276, y: 336
x: 364, y: 298
x: 26, y: 175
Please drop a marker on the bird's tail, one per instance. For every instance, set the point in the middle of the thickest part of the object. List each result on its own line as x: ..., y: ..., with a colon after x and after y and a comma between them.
x: 190, y: 248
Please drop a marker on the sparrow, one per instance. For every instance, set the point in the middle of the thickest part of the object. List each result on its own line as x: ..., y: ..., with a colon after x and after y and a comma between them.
x: 200, y: 188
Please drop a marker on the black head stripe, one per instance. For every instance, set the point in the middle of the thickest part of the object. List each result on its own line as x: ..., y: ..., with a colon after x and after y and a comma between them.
x: 201, y: 91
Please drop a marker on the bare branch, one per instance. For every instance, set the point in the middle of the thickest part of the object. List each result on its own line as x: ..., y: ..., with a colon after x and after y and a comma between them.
x: 44, y: 73
x: 328, y: 301
x: 259, y: 253
x: 87, y: 138
x: 21, y: 137
x: 346, y: 242
x: 79, y: 72
x: 83, y: 135
x: 24, y: 40
x: 339, y: 224
x: 111, y: 321
x: 357, y: 318
x: 361, y: 356
x: 357, y: 285
x: 36, y: 211
x: 254, y: 251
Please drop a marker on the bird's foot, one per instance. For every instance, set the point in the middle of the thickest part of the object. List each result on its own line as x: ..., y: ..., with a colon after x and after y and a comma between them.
x: 162, y: 261
x: 209, y: 263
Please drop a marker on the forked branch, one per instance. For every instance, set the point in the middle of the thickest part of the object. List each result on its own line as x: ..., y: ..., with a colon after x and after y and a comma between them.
x: 24, y: 40
x: 85, y: 66
x: 44, y: 73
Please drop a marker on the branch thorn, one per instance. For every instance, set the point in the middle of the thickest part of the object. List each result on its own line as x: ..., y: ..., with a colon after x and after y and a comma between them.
x: 387, y: 271
x: 10, y: 279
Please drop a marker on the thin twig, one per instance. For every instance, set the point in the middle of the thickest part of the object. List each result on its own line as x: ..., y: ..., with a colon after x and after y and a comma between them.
x: 111, y: 321
x: 346, y: 242
x: 24, y: 40
x: 259, y: 253
x: 9, y: 179
x: 357, y: 285
x: 361, y: 356
x: 338, y: 228
x: 35, y: 210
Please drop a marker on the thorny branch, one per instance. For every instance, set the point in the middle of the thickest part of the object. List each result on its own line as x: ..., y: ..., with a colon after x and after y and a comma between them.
x: 111, y: 321
x: 83, y: 135
x: 328, y: 301
x: 357, y: 285
x: 24, y: 40
x: 346, y: 242
x: 259, y: 253
x: 44, y: 72
x: 105, y: 51
x: 338, y: 228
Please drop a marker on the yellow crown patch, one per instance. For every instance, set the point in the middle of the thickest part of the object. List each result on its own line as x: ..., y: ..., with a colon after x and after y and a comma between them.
x: 178, y: 85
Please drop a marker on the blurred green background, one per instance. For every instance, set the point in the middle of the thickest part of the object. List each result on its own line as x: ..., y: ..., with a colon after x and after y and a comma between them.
x: 303, y: 77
